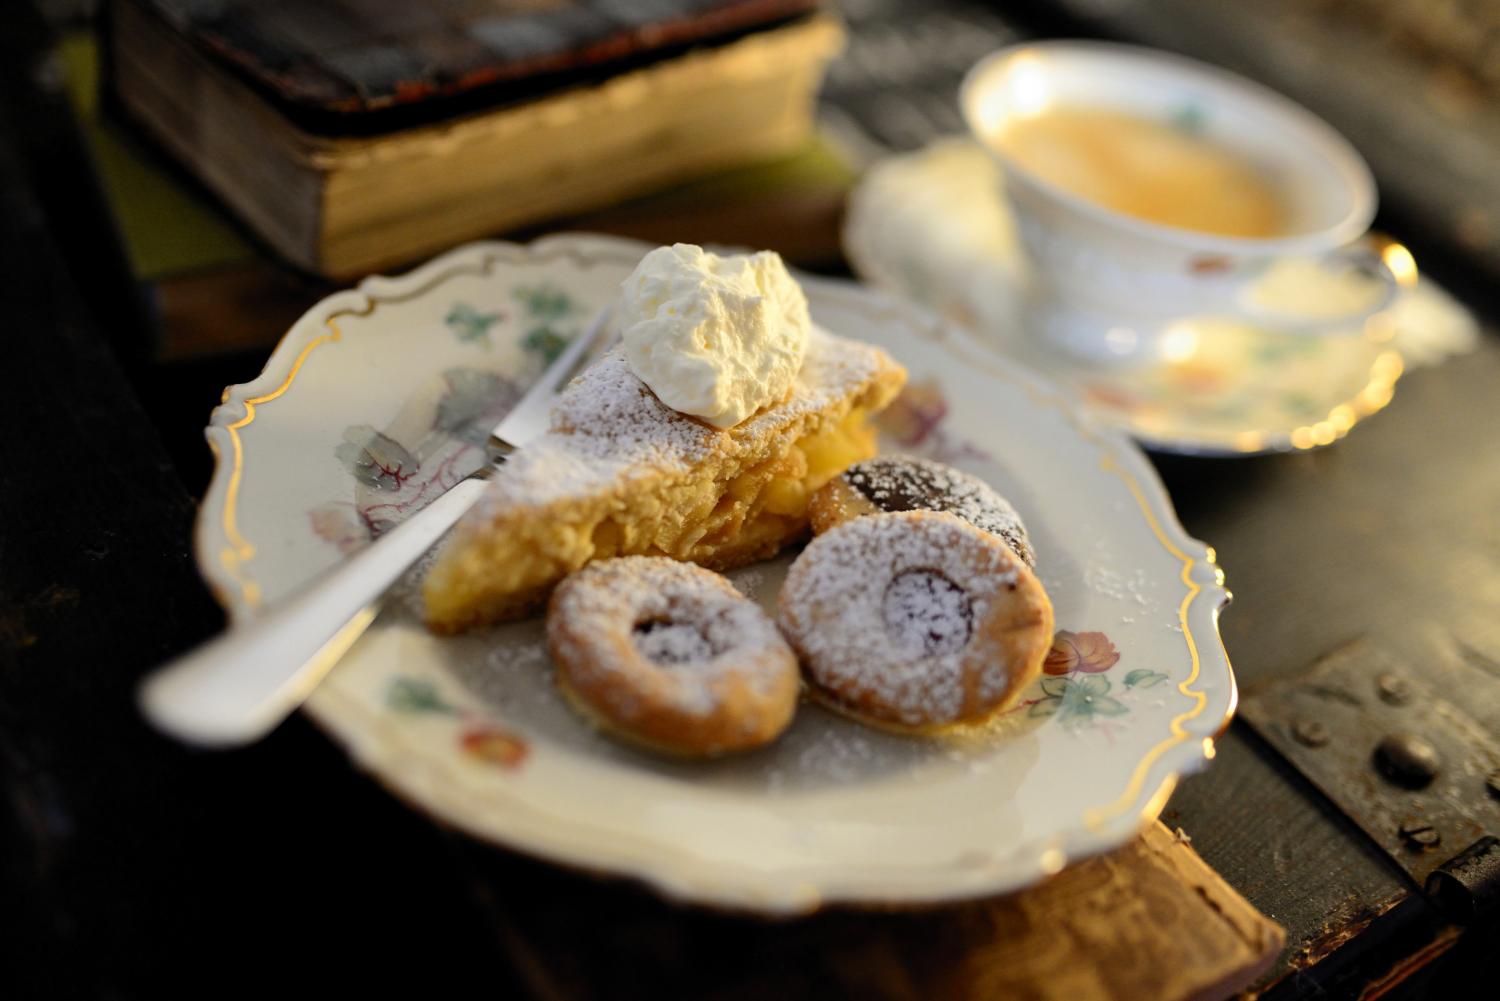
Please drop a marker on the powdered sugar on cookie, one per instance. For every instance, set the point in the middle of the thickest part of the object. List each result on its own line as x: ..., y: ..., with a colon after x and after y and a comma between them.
x: 908, y: 483
x: 671, y: 654
x: 917, y: 619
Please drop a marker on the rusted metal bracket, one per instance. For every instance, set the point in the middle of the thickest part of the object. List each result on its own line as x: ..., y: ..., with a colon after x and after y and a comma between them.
x: 1414, y: 771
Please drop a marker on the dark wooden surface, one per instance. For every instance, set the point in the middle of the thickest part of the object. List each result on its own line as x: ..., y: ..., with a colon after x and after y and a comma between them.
x: 1147, y: 921
x: 135, y: 869
x: 1392, y: 537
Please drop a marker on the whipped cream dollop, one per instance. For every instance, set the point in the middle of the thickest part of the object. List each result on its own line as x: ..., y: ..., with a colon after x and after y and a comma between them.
x: 715, y: 337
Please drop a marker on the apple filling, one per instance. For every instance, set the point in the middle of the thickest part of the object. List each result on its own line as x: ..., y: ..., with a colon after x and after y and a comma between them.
x: 721, y: 521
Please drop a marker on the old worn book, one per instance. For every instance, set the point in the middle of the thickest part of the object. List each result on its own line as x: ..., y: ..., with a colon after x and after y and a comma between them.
x: 357, y: 136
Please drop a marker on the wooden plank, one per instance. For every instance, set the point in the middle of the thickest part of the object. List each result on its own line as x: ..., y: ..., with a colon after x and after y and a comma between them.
x: 1149, y: 921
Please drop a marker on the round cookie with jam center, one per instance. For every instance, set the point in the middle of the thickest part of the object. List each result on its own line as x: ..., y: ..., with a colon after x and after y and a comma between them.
x: 669, y: 655
x: 906, y: 483
x: 915, y: 621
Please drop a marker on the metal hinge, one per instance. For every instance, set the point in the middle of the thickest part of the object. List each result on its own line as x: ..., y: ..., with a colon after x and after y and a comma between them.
x: 1414, y: 771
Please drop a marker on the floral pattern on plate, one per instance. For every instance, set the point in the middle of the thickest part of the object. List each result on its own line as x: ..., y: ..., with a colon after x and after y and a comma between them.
x: 438, y: 436
x: 392, y: 483
x: 477, y: 736
x: 374, y: 402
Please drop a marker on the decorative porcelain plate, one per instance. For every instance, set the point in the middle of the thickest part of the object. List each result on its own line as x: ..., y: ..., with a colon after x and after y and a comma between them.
x: 377, y: 398
x: 934, y: 227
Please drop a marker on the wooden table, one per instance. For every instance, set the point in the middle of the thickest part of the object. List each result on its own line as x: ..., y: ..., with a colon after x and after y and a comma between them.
x: 133, y: 866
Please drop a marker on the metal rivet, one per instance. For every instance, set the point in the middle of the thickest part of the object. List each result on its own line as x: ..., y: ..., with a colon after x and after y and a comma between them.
x: 1393, y: 689
x: 1310, y: 732
x: 1416, y: 834
x: 1407, y: 760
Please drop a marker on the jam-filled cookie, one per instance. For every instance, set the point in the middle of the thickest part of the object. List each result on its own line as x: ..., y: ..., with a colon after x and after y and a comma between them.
x: 916, y: 621
x: 905, y: 483
x: 670, y: 655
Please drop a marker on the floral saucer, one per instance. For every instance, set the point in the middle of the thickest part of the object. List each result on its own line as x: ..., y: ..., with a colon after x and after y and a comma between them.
x: 934, y: 226
x: 377, y: 399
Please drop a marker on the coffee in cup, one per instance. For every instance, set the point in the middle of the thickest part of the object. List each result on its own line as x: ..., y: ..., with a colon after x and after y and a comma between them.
x: 1160, y: 172
x: 1149, y: 190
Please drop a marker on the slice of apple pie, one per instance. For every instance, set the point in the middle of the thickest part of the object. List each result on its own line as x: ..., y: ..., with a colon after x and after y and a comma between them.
x: 620, y: 473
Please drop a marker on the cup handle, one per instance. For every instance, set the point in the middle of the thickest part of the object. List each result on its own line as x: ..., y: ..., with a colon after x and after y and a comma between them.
x: 1362, y: 256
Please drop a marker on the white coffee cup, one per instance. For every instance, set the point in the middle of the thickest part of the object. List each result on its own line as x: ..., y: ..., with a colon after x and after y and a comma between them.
x: 1108, y: 286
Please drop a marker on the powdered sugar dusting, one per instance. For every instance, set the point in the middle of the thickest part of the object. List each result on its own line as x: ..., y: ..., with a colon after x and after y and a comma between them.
x: 607, y: 424
x: 749, y: 581
x: 407, y: 592
x: 834, y: 609
x: 673, y: 643
x: 689, y: 621
x: 926, y: 614
x: 908, y: 483
x: 1118, y: 584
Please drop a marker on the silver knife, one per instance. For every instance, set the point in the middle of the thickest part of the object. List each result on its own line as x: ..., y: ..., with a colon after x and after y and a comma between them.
x: 237, y: 687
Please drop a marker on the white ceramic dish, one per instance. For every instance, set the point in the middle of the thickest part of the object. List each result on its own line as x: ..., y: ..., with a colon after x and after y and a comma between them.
x: 1103, y: 284
x: 367, y: 406
x: 933, y: 226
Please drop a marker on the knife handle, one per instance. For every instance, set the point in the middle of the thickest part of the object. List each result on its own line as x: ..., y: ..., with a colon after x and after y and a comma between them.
x: 236, y: 688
